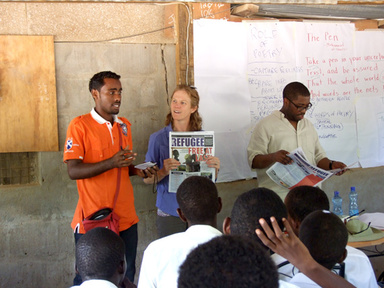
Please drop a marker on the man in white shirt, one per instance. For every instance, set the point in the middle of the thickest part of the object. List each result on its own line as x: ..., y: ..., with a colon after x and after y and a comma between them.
x: 199, y: 205
x: 276, y: 135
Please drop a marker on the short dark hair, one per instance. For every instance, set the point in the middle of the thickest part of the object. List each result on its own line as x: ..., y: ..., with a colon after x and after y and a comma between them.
x: 302, y: 200
x: 97, y: 80
x: 228, y: 262
x: 99, y: 253
x: 294, y: 90
x: 250, y: 206
x: 325, y: 236
x: 197, y: 197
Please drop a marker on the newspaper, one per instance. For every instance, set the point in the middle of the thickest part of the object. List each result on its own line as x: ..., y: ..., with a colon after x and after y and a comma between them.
x: 299, y: 173
x: 375, y: 219
x: 191, y: 149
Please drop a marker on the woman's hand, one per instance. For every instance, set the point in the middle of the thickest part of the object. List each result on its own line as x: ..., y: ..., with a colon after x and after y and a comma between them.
x: 169, y: 164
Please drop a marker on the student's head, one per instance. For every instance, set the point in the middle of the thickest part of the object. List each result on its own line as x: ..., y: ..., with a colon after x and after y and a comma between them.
x: 325, y: 236
x: 296, y: 101
x: 302, y: 200
x: 228, y: 262
x: 100, y: 254
x: 185, y: 105
x: 249, y: 207
x: 198, y: 200
x: 97, y: 80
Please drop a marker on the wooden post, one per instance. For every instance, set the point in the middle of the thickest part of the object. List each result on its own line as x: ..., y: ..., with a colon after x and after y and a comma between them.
x: 183, y: 15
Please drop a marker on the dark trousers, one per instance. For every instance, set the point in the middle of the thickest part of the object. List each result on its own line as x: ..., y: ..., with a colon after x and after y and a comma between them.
x: 130, y: 239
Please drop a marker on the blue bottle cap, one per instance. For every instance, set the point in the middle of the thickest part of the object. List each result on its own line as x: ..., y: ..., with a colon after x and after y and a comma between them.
x: 336, y: 193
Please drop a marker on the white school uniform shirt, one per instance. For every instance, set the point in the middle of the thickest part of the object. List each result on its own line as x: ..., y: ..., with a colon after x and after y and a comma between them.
x: 96, y: 283
x: 163, y: 257
x: 283, y: 284
x: 303, y: 281
x: 286, y: 271
x: 358, y: 269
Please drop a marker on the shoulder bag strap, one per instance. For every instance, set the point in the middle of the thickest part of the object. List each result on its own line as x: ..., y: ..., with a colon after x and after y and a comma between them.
x: 119, y: 171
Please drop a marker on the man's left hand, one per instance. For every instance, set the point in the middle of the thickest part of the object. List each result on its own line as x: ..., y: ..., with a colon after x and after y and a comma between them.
x: 339, y: 165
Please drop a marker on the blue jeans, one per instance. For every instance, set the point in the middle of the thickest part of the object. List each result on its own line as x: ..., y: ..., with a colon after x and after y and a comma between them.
x: 130, y: 239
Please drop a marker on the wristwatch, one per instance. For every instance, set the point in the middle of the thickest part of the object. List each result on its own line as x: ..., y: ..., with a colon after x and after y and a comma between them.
x: 330, y: 164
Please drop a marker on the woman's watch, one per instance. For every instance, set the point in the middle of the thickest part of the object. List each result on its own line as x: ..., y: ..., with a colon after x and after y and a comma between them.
x: 330, y: 164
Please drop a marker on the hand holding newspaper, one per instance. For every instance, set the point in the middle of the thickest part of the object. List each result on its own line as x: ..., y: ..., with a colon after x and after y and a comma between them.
x: 191, y: 149
x: 300, y: 172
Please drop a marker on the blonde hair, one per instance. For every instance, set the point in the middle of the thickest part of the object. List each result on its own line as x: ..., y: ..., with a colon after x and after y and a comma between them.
x: 195, y: 121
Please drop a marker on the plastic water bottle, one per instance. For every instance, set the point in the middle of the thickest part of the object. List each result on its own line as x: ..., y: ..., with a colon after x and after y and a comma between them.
x: 337, y: 204
x: 353, y: 206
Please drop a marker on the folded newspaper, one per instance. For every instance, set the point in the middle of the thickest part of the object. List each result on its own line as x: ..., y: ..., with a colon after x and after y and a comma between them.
x: 191, y: 149
x: 299, y: 173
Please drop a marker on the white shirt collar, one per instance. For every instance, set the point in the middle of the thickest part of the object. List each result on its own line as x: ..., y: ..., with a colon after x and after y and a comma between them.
x: 96, y: 283
x: 101, y: 120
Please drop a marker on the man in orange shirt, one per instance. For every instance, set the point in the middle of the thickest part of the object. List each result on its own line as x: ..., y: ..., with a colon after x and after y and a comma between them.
x: 99, y: 156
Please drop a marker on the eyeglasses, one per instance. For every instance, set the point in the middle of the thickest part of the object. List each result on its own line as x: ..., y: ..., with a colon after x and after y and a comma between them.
x: 353, y: 215
x: 300, y: 108
x: 365, y: 229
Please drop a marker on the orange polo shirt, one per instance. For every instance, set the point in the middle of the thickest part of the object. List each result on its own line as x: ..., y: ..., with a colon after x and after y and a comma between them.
x: 92, y: 139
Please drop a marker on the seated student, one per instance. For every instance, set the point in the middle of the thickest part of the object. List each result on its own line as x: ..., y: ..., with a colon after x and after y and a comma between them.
x: 199, y: 205
x: 262, y: 203
x: 300, y: 202
x: 100, y: 259
x: 228, y: 262
x: 325, y: 236
x: 289, y: 246
x: 249, y: 207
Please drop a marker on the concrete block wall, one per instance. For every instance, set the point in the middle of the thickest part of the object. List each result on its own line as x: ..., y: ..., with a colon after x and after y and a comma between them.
x: 36, y: 243
x: 35, y: 219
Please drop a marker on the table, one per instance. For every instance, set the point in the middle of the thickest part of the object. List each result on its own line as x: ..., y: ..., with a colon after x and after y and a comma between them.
x: 360, y: 244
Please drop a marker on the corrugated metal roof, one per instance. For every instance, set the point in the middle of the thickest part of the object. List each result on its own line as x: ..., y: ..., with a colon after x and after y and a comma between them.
x: 337, y: 12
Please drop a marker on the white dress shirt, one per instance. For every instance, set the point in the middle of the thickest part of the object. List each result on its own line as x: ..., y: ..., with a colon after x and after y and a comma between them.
x: 96, y: 283
x: 358, y: 269
x: 163, y: 257
x: 274, y: 133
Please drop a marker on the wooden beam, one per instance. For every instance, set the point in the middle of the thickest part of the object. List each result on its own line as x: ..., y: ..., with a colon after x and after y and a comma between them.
x: 184, y: 44
x: 178, y: 15
x: 183, y: 15
x: 361, y: 25
x: 245, y: 10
